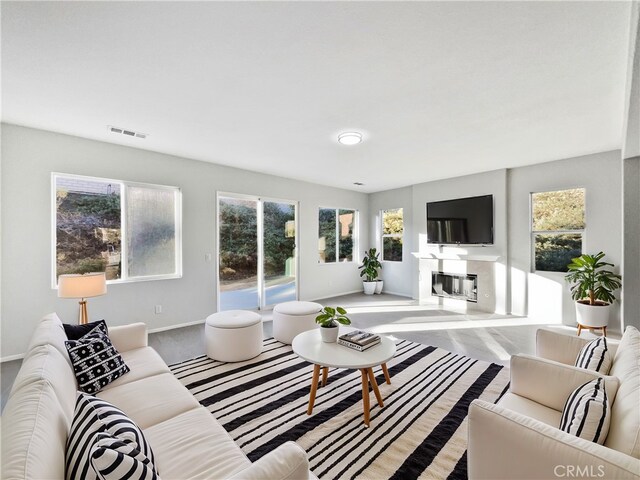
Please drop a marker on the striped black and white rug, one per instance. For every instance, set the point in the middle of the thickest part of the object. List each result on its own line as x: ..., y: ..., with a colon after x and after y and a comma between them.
x: 420, y: 433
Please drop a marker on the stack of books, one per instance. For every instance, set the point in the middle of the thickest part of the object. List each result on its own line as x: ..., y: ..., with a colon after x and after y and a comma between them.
x: 359, y: 340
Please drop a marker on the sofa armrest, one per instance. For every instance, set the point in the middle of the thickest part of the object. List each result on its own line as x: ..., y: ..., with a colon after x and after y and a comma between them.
x: 287, y: 462
x: 128, y: 337
x: 550, y: 383
x: 506, y: 445
x: 558, y: 346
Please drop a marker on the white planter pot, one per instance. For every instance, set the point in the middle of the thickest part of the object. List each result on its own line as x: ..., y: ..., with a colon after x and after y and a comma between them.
x: 369, y: 287
x: 379, y: 284
x: 592, y: 315
x: 329, y: 334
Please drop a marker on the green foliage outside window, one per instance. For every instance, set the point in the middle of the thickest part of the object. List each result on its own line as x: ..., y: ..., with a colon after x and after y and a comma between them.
x: 558, y: 219
x: 88, y: 233
x: 392, y: 231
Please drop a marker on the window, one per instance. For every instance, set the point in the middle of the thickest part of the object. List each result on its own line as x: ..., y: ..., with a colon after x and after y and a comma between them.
x: 557, y: 226
x: 392, y: 232
x: 336, y: 240
x: 129, y: 231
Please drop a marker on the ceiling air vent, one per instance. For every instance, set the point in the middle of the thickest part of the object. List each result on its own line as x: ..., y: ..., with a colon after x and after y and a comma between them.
x: 128, y: 133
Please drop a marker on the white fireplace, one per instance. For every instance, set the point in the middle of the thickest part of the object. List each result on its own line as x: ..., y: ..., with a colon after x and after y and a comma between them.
x: 469, y: 282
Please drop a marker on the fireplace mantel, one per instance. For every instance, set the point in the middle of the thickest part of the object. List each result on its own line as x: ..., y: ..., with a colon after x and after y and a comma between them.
x: 455, y: 256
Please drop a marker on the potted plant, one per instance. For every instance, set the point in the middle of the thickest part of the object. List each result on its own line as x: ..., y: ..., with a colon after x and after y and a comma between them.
x: 369, y: 270
x: 593, y: 287
x: 329, y: 319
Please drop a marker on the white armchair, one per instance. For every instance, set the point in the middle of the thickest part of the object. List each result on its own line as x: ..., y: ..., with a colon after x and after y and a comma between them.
x: 518, y: 437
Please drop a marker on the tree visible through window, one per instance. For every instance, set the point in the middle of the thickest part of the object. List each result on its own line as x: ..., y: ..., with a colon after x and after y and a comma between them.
x: 91, y: 225
x: 557, y: 225
x: 336, y: 235
x: 392, y: 232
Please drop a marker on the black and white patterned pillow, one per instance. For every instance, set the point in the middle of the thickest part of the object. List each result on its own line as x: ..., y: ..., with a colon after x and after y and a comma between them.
x: 96, y: 362
x: 111, y: 458
x: 94, y: 422
x: 595, y: 356
x: 76, y: 332
x: 586, y: 413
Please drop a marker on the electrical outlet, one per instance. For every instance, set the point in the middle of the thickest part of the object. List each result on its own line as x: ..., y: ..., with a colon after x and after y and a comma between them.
x: 158, y: 308
x: 207, y: 257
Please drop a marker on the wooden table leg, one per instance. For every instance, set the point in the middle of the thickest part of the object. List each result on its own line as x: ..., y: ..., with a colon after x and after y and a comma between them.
x: 374, y: 385
x: 604, y: 331
x: 325, y: 372
x: 314, y: 387
x: 365, y: 395
x: 579, y: 329
x: 386, y: 373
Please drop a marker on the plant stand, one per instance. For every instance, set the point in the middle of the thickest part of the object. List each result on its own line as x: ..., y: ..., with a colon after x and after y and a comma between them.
x: 591, y: 329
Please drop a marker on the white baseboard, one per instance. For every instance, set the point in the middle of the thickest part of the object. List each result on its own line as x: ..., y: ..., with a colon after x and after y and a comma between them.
x: 338, y: 295
x: 398, y: 294
x: 11, y: 358
x: 173, y: 327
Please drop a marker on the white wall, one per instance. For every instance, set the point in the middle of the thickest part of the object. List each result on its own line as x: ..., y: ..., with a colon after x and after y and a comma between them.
x: 631, y: 243
x: 398, y: 276
x: 546, y: 295
x: 28, y: 158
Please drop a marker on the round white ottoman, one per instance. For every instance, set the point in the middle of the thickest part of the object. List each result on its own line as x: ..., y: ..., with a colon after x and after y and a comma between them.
x: 233, y: 336
x: 292, y: 318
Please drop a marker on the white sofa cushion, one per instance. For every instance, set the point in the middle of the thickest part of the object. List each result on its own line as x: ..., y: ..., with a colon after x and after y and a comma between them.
x: 50, y: 332
x: 194, y: 445
x: 47, y: 363
x: 144, y: 362
x: 34, y: 434
x: 151, y: 400
x: 595, y: 356
x: 624, y: 432
x: 531, y: 409
x: 587, y: 412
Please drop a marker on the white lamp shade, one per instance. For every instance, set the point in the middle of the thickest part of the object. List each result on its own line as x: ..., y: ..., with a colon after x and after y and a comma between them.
x: 82, y: 286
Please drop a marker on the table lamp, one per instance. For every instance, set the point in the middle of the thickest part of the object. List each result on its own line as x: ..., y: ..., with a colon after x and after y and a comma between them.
x: 82, y: 287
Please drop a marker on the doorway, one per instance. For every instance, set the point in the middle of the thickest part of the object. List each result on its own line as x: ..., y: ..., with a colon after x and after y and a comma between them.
x: 257, y: 252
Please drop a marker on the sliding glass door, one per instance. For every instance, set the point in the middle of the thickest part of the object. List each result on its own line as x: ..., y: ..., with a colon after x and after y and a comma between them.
x: 257, y: 265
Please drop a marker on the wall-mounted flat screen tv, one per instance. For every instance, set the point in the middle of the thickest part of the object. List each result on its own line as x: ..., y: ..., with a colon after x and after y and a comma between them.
x: 461, y: 221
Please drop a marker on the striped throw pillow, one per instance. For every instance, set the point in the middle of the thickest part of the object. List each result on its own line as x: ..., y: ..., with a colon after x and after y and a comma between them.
x: 94, y: 418
x: 111, y: 458
x: 595, y: 356
x: 96, y: 362
x: 586, y: 413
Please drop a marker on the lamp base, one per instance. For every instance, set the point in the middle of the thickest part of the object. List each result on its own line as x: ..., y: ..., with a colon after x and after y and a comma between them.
x: 84, y: 318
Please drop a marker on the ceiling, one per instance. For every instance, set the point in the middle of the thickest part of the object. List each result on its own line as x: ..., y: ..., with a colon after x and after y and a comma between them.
x: 438, y: 89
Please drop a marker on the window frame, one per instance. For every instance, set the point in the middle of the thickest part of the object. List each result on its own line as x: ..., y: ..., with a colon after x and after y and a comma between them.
x: 391, y: 235
x: 532, y: 233
x: 124, y: 184
x: 355, y: 235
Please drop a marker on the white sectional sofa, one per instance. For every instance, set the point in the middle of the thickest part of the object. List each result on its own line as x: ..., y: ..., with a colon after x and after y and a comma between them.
x: 519, y: 438
x: 187, y: 441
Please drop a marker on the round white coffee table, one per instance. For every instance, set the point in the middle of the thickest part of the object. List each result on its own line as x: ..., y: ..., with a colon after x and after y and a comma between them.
x: 310, y: 347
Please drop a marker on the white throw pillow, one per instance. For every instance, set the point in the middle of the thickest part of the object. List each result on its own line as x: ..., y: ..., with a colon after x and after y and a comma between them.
x: 587, y: 414
x: 595, y: 356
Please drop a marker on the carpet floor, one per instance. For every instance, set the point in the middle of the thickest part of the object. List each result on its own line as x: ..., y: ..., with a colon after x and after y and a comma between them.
x: 421, y: 432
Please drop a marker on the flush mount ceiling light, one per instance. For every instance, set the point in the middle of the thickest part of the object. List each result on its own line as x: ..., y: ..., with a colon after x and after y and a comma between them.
x: 350, y: 138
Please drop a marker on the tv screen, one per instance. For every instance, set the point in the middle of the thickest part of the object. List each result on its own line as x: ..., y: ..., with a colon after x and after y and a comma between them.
x: 465, y: 221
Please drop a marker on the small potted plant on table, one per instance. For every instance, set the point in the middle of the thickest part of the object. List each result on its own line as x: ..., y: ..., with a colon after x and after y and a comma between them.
x: 329, y: 319
x: 592, y: 289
